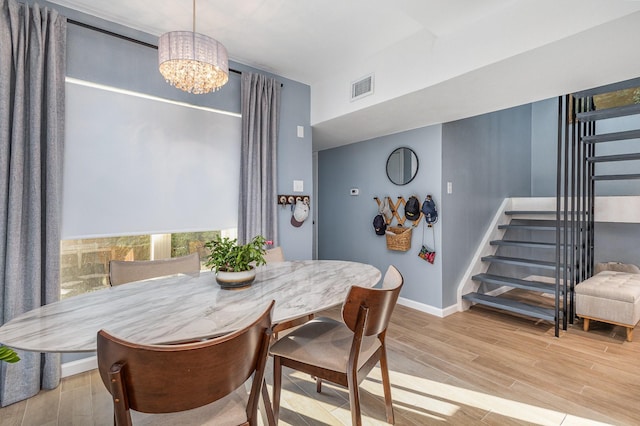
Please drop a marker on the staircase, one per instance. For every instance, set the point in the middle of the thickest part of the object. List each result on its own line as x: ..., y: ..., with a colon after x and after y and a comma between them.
x: 548, y: 248
x: 524, y: 258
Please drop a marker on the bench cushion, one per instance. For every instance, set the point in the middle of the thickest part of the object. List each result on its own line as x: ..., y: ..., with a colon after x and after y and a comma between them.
x: 610, y: 296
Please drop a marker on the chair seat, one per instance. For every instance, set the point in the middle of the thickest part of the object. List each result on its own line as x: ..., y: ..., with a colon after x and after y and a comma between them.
x: 323, y: 342
x: 228, y: 411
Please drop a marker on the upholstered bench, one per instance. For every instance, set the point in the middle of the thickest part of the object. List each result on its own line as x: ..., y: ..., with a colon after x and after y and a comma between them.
x: 611, y: 297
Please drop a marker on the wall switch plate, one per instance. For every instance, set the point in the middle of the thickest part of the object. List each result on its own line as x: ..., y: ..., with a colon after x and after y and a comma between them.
x: 449, y: 187
x: 298, y: 186
x: 355, y: 191
x: 301, y: 131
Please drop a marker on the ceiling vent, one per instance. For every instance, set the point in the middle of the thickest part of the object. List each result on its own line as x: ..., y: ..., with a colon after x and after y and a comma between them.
x: 362, y: 87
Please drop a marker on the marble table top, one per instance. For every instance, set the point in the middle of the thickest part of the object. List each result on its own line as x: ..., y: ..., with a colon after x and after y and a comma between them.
x: 181, y: 307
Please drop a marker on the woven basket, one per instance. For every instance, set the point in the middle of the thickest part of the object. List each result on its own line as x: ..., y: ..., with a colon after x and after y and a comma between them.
x: 398, y: 238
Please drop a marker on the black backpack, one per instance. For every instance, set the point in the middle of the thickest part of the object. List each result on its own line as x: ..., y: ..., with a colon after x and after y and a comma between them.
x: 412, y: 208
x: 429, y: 210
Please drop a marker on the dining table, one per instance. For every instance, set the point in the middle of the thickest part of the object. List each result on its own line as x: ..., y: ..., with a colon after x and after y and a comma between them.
x: 180, y: 308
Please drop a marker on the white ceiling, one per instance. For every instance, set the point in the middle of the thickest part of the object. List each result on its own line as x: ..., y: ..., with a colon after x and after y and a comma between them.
x: 433, y: 61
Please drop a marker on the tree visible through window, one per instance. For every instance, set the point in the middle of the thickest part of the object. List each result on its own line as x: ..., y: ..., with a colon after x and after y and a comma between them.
x: 84, y: 263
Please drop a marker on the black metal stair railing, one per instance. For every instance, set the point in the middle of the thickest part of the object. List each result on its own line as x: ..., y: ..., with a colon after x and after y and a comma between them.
x: 575, y: 185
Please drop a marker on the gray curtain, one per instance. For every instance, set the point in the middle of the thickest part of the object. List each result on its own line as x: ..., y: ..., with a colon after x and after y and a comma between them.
x: 32, y: 72
x: 257, y: 212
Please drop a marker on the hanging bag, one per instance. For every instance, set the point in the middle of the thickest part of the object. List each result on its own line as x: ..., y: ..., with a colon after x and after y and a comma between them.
x: 430, y: 217
x: 426, y: 253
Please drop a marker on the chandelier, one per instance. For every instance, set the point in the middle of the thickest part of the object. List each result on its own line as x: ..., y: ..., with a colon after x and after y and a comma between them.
x: 192, y: 62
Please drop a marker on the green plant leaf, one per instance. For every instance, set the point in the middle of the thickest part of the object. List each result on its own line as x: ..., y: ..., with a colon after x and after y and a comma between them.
x: 226, y: 255
x: 8, y: 355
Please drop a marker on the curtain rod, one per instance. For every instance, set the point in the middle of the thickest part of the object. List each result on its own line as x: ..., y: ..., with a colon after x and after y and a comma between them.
x: 124, y: 37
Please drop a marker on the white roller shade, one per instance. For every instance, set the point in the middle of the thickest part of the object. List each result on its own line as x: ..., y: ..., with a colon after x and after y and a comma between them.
x: 141, y: 165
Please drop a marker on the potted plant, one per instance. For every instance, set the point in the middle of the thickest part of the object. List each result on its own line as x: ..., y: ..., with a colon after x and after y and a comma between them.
x: 8, y: 355
x: 233, y: 263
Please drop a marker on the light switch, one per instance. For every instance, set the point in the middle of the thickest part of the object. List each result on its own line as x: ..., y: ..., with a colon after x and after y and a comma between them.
x: 301, y: 131
x: 298, y: 186
x: 449, y: 187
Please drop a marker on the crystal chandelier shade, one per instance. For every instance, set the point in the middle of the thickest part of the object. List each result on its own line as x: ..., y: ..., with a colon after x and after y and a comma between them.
x: 193, y: 62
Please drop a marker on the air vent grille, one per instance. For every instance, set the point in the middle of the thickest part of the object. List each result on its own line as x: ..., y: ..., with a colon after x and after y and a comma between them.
x: 362, y: 87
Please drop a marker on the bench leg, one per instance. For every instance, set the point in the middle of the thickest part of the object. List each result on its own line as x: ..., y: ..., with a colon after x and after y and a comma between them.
x: 629, y: 334
x: 585, y: 324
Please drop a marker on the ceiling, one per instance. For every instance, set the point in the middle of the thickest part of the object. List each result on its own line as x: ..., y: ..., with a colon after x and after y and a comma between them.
x: 433, y: 61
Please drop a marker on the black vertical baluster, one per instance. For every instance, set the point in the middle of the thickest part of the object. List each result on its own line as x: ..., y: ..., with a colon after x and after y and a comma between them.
x: 559, y: 176
x: 592, y: 153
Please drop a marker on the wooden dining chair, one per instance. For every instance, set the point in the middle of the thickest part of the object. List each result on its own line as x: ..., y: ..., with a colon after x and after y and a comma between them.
x: 274, y: 255
x: 343, y: 352
x: 192, y: 383
x: 123, y: 271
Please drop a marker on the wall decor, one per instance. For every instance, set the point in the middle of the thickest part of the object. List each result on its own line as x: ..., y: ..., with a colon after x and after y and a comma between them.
x: 402, y: 166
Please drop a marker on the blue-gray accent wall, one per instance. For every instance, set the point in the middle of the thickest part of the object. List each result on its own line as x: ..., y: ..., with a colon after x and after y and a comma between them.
x: 544, y: 142
x: 345, y: 222
x: 487, y: 159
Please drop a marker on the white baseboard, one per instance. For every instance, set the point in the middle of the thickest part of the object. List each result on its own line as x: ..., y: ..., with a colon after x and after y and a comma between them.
x: 79, y: 366
x: 428, y: 309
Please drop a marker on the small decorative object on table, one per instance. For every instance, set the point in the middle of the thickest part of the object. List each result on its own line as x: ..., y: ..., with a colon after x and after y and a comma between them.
x: 233, y: 263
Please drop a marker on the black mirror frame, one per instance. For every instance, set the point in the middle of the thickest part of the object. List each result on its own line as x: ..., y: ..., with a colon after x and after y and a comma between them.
x: 413, y: 175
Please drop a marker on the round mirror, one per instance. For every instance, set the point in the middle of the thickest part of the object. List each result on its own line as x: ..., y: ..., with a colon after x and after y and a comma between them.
x: 402, y: 166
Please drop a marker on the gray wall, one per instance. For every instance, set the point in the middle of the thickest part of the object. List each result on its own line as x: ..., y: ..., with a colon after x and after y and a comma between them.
x: 487, y: 158
x: 345, y: 222
x: 544, y: 140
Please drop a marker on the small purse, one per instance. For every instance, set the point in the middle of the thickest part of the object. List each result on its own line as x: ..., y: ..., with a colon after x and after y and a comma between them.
x: 425, y: 252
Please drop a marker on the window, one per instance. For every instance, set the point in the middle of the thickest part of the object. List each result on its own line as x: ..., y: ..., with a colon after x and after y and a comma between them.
x: 84, y: 263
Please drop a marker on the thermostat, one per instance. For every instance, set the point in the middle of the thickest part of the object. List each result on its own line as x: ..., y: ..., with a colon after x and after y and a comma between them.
x: 355, y: 191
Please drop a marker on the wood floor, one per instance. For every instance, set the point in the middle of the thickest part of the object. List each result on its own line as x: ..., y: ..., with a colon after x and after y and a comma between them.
x: 476, y: 367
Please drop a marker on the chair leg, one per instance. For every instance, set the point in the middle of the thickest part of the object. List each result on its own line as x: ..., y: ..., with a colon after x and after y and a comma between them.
x: 386, y: 386
x: 318, y: 384
x: 268, y: 408
x: 354, y: 399
x: 277, y: 386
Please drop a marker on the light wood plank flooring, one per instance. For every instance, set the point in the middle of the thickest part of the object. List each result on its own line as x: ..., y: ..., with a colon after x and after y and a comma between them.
x: 476, y: 367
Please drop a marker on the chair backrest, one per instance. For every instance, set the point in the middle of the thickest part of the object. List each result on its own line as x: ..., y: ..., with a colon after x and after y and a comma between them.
x: 274, y: 255
x: 172, y: 378
x: 379, y: 302
x: 392, y: 277
x: 122, y: 271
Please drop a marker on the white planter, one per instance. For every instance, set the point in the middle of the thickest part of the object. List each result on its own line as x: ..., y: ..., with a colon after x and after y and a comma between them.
x: 235, y: 279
